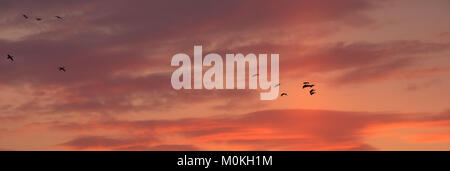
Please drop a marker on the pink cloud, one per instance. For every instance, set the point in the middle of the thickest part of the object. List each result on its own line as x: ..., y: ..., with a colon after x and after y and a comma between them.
x: 268, y: 130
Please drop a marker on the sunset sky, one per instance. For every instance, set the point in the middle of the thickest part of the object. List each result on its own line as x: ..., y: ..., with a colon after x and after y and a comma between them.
x: 381, y: 68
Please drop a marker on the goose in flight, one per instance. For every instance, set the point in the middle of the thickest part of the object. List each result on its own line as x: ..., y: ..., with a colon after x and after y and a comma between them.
x: 59, y: 17
x: 25, y: 16
x: 10, y: 58
x: 63, y: 69
x: 307, y: 85
x: 283, y: 94
x: 38, y: 19
x: 312, y: 92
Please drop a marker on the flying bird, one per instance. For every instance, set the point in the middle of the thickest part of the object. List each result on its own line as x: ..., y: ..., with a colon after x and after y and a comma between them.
x: 10, y: 58
x: 58, y: 17
x: 25, y: 16
x: 312, y: 92
x: 38, y: 19
x: 63, y: 69
x: 283, y: 94
x: 307, y: 85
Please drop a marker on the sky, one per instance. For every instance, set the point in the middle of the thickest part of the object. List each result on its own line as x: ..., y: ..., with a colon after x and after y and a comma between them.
x: 381, y: 71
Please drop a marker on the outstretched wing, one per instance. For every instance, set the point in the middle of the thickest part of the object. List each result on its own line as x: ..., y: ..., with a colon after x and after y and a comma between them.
x: 10, y: 57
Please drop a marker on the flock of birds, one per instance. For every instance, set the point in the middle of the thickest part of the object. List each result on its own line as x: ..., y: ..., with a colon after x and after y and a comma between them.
x: 63, y: 69
x: 40, y: 19
x: 305, y: 85
x: 12, y: 58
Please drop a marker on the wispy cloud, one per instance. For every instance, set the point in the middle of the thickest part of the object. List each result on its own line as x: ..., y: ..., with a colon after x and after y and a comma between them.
x: 268, y: 130
x: 117, y: 95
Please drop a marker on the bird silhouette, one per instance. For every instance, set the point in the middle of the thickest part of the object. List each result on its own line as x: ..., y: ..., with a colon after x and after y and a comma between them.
x: 283, y: 94
x: 58, y: 17
x: 312, y: 92
x: 25, y: 16
x: 307, y: 85
x: 63, y: 69
x: 38, y: 19
x: 10, y: 58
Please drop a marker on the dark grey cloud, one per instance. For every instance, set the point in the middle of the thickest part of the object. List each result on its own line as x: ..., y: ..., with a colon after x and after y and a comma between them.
x: 99, y: 40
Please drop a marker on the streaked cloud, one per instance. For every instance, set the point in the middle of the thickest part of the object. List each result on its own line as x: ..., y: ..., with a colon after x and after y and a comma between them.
x: 116, y: 94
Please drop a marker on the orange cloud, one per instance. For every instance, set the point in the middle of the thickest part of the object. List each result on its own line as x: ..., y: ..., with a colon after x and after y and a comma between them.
x: 265, y: 130
x: 118, y: 81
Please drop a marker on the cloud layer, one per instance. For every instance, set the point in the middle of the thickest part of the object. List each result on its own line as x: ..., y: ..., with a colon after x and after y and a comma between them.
x: 117, y: 95
x: 264, y: 130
